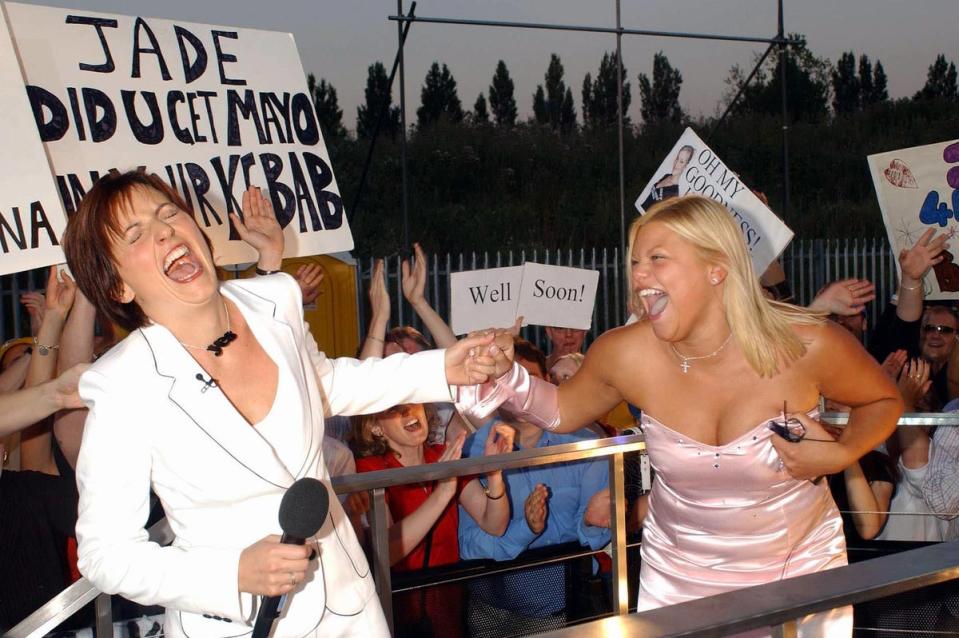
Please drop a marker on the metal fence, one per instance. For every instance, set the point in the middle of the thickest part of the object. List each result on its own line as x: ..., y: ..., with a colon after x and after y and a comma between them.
x: 809, y: 265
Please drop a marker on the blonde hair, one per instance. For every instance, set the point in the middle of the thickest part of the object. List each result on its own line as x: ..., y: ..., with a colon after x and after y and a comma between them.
x: 762, y: 327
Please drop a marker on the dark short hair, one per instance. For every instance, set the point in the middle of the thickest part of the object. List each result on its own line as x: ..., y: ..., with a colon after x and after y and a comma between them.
x: 523, y: 349
x: 88, y: 242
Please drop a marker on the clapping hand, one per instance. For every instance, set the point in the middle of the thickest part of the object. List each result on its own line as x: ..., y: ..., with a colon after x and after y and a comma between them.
x: 893, y: 363
x: 60, y: 293
x: 598, y: 511
x: 379, y: 296
x: 260, y: 229
x: 309, y: 277
x: 914, y: 382
x: 414, y: 279
x: 537, y: 508
x: 35, y: 305
x: 500, y: 440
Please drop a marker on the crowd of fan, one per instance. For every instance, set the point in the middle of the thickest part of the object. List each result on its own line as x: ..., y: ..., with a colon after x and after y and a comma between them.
x: 906, y: 490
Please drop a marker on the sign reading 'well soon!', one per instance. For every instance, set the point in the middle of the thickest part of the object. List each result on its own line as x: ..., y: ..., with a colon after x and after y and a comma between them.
x: 209, y: 109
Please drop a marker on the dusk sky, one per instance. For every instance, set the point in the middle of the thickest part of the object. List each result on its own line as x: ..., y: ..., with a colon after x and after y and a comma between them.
x: 338, y: 40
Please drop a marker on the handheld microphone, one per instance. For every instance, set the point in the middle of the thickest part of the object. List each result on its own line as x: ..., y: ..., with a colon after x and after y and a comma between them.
x: 302, y: 511
x: 207, y: 383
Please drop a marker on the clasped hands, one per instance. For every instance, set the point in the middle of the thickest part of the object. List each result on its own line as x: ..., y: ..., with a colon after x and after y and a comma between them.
x: 480, y: 357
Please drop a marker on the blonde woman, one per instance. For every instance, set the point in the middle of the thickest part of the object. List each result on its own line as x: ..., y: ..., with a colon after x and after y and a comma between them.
x: 717, y: 368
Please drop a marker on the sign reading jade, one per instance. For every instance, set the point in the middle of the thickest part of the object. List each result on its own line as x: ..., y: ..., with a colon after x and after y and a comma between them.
x: 31, y: 217
x: 209, y: 109
x: 542, y: 294
x: 918, y: 189
x: 692, y: 168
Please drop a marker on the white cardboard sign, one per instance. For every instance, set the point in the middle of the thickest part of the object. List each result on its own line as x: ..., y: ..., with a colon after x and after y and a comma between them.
x: 31, y: 216
x: 692, y: 168
x: 542, y: 294
x: 918, y: 189
x: 209, y: 109
x: 558, y: 296
x: 481, y: 299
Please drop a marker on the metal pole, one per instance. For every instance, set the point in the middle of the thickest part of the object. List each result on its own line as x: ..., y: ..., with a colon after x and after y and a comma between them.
x: 783, y: 54
x: 400, y: 37
x: 583, y: 28
x: 104, y: 614
x: 739, y: 94
x: 380, y: 533
x: 618, y: 519
x: 384, y: 109
x: 620, y: 118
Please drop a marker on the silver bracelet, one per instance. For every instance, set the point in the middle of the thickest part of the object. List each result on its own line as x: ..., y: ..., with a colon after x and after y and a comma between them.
x: 44, y: 350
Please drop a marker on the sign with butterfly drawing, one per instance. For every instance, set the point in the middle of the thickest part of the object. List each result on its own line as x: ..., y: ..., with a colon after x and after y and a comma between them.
x: 918, y: 189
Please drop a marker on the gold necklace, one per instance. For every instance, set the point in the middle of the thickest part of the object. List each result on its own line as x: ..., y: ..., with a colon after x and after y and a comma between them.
x: 685, y: 360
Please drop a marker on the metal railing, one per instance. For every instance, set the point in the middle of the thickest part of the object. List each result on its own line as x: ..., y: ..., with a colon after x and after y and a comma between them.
x: 780, y: 602
x: 82, y: 592
x: 779, y: 605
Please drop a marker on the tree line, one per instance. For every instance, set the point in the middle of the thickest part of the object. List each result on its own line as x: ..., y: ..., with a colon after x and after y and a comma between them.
x: 483, y: 179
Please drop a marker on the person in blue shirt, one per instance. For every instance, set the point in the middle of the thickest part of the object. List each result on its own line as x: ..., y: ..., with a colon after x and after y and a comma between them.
x: 549, y: 505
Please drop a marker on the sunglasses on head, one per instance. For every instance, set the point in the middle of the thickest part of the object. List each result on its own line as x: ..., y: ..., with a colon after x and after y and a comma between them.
x: 931, y: 327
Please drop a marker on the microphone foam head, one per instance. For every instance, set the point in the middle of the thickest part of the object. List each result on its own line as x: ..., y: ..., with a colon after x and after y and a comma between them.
x: 304, y: 508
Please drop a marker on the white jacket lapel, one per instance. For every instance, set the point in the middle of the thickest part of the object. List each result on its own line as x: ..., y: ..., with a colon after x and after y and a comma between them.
x: 210, y: 410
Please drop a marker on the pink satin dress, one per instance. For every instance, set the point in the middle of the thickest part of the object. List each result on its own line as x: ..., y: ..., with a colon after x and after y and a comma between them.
x: 729, y: 516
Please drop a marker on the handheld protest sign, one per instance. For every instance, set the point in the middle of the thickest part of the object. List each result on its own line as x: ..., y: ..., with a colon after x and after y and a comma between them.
x: 31, y: 215
x: 558, y: 296
x: 481, y: 299
x: 692, y: 168
x: 209, y: 109
x: 918, y: 189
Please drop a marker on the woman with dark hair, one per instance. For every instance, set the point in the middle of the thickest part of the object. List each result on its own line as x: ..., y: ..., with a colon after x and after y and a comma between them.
x: 216, y: 400
x: 729, y: 382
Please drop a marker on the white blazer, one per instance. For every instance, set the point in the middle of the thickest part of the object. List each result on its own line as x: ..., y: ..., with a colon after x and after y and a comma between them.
x: 152, y: 423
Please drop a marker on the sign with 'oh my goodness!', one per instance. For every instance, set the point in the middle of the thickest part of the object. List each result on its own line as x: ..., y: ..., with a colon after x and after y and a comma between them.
x: 209, y: 109
x: 692, y: 168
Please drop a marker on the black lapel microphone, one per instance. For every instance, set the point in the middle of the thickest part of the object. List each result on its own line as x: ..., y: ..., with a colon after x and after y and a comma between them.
x: 207, y: 383
x: 302, y: 511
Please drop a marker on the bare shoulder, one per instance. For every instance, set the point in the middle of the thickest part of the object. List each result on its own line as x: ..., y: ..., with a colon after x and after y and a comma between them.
x: 828, y: 343
x: 620, y: 342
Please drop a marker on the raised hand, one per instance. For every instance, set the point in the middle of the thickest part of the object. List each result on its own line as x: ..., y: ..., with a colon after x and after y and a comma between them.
x: 379, y: 296
x: 35, y: 305
x: 260, y: 229
x: 500, y: 440
x: 536, y: 508
x: 414, y: 280
x: 914, y: 382
x: 923, y: 255
x: 598, y: 511
x: 453, y: 451
x: 845, y: 297
x: 60, y: 293
x: 309, y: 277
x: 893, y: 363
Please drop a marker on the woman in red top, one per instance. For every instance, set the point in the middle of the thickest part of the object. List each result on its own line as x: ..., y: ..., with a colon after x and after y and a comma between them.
x: 424, y: 515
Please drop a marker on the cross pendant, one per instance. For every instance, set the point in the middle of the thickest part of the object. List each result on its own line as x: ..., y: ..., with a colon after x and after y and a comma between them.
x: 685, y: 366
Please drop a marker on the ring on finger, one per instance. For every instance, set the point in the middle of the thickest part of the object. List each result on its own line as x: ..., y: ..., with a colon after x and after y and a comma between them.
x: 292, y: 580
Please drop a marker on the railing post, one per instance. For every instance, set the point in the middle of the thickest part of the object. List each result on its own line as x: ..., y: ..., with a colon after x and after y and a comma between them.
x: 618, y: 521
x: 381, y: 554
x: 104, y: 613
x: 786, y: 630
